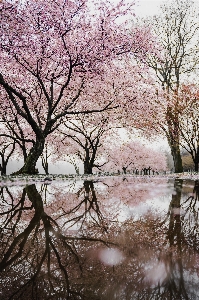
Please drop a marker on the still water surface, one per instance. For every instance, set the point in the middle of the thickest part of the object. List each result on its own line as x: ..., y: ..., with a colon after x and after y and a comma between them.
x: 113, y: 238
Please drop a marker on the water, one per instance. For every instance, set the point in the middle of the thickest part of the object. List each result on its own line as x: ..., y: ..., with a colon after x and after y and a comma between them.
x: 107, y: 238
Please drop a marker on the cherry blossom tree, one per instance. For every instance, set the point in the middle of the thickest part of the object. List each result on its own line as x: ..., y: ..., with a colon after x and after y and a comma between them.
x: 53, y: 56
x: 135, y: 156
x: 87, y: 137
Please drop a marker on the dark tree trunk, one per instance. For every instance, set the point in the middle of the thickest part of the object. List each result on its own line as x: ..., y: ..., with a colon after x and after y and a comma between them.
x: 175, y: 152
x: 196, y: 159
x: 88, y: 168
x: 196, y: 189
x: 87, y: 165
x: 124, y: 169
x: 173, y: 137
x: 24, y: 151
x: 89, y: 161
x: 3, y: 167
x: 32, y: 158
x: 177, y: 159
x: 196, y: 165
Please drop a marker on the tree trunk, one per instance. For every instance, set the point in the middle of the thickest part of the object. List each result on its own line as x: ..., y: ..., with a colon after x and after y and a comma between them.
x: 177, y: 159
x: 88, y: 168
x: 196, y: 190
x: 173, y: 136
x: 45, y: 165
x: 124, y: 169
x: 89, y: 161
x: 196, y: 159
x: 196, y: 165
x: 32, y: 158
x: 3, y: 167
x: 175, y: 152
x: 24, y: 153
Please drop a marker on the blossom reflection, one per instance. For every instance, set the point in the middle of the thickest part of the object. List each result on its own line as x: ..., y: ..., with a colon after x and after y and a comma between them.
x: 72, y: 243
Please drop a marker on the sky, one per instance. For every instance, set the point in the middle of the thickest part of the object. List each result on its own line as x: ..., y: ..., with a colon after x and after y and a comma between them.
x: 147, y: 7
x: 150, y: 7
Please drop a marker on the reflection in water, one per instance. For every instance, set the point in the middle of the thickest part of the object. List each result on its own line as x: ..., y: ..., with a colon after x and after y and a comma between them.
x: 72, y: 243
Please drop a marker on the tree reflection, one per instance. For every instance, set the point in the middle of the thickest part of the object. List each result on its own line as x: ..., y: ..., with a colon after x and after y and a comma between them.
x: 58, y: 249
x: 87, y: 210
x: 175, y: 285
x: 35, y: 244
x: 174, y: 232
x: 178, y: 283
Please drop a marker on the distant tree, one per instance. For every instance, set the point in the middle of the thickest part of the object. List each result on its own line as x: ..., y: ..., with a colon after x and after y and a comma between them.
x: 135, y: 156
x: 84, y: 138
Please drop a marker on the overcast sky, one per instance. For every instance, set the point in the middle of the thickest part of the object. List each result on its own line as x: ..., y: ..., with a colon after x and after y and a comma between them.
x: 150, y: 7
x: 147, y: 7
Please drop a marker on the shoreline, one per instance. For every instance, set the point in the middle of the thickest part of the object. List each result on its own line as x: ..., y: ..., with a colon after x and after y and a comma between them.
x: 47, y: 179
